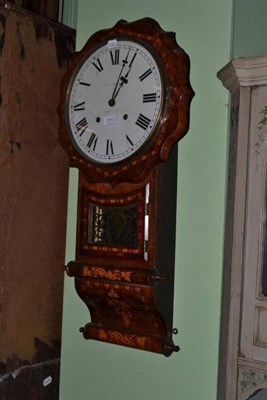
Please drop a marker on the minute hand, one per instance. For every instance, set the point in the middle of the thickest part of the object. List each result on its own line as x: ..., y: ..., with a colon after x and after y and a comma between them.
x: 123, y: 80
x: 111, y: 102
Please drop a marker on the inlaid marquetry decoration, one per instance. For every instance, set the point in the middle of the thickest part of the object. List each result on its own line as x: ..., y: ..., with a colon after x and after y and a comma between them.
x: 124, y: 105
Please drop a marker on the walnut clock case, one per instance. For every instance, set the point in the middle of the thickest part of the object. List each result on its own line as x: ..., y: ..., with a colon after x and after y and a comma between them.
x: 124, y: 104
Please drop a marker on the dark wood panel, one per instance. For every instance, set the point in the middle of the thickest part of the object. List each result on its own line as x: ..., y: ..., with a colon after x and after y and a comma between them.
x: 34, y: 55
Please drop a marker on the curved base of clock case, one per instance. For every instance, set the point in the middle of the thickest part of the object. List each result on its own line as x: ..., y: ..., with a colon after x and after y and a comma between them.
x: 124, y: 313
x: 130, y: 339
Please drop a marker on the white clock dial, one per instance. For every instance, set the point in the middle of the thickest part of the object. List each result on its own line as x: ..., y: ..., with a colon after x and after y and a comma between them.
x: 114, y: 101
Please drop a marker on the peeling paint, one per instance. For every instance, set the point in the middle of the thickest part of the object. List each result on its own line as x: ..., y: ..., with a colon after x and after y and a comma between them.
x: 263, y: 121
x: 65, y: 46
x: 42, y: 31
x: 261, y: 132
x: 43, y: 353
x: 18, y: 98
x: 13, y: 145
x: 22, y: 48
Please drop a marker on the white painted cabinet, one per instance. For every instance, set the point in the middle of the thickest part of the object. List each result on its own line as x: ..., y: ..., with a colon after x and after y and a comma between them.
x: 243, y: 344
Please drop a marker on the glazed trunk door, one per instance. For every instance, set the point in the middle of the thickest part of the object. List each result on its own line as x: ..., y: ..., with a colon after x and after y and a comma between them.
x: 254, y: 310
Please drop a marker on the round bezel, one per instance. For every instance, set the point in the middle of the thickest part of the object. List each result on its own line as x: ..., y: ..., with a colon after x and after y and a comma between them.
x: 119, y: 132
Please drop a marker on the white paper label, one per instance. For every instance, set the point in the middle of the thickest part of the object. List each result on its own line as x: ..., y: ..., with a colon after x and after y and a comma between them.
x: 112, y: 44
x: 47, y: 381
x: 110, y: 120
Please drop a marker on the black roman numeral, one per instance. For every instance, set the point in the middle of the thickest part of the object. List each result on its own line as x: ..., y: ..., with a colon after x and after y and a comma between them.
x: 84, y: 83
x: 143, y: 121
x: 129, y: 142
x: 145, y: 74
x: 115, y: 57
x: 79, y: 106
x: 98, y: 65
x: 82, y: 125
x: 149, y: 97
x: 109, y: 147
x: 92, y: 141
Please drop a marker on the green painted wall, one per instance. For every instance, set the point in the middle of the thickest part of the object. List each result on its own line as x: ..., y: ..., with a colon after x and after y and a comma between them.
x: 98, y: 371
x: 250, y: 28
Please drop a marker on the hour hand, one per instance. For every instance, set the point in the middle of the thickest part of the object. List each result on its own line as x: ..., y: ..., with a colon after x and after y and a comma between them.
x: 123, y: 80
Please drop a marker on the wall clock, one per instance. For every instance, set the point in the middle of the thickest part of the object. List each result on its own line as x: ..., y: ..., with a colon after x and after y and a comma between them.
x: 124, y: 104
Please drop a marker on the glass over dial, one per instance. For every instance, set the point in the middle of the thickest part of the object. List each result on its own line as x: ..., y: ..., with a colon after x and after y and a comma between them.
x: 115, y: 101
